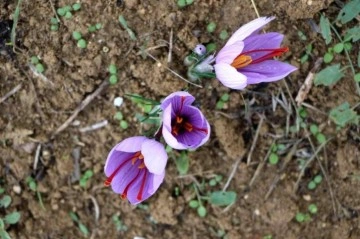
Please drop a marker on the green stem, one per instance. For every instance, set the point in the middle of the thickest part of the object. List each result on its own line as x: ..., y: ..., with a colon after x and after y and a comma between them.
x: 347, y: 56
x: 40, y: 199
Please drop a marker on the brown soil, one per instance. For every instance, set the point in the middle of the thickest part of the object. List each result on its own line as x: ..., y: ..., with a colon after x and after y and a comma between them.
x: 31, y: 116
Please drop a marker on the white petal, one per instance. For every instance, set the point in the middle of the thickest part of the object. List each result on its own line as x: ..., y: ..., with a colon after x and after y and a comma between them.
x: 249, y: 28
x: 155, y: 156
x: 229, y: 52
x: 230, y: 77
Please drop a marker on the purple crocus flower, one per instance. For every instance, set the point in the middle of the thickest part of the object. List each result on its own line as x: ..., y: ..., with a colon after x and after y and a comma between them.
x: 184, y: 126
x: 135, y: 168
x: 247, y: 57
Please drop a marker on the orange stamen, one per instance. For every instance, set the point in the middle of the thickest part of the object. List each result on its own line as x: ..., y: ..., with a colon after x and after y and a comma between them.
x: 241, y: 61
x: 244, y: 59
x: 188, y: 126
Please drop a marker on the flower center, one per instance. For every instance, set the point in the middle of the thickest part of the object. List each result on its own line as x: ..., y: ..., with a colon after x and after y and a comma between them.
x: 140, y: 169
x: 180, y: 125
x: 245, y: 59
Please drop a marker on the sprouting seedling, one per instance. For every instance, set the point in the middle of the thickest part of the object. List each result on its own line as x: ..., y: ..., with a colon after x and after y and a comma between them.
x: 54, y: 24
x: 94, y: 28
x: 33, y: 187
x: 305, y: 57
x: 113, y: 74
x: 320, y: 137
x: 120, y: 226
x: 184, y: 3
x: 39, y: 67
x: 124, y: 24
x: 223, y: 35
x: 10, y: 218
x: 301, y: 35
x: 123, y: 123
x: 215, y: 180
x: 302, y: 217
x: 85, y: 178
x: 84, y: 230
x: 315, y: 182
x: 67, y: 10
x: 211, y: 27
x: 222, y: 101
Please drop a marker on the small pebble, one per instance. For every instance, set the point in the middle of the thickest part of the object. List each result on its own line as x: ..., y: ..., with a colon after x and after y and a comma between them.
x: 17, y: 189
x: 118, y: 101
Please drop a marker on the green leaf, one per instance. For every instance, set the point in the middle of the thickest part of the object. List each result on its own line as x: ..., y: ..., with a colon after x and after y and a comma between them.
x: 12, y: 218
x: 182, y: 163
x: 2, y: 190
x: 325, y: 29
x: 328, y: 57
x: 352, y: 33
x: 225, y: 97
x: 74, y: 217
x: 4, y: 235
x: 329, y: 76
x: 220, y: 198
x: 343, y: 115
x: 201, y: 211
x: 83, y: 229
x: 349, y: 11
x: 338, y: 48
x: 2, y: 225
x: 357, y: 77
x: 194, y: 204
x: 5, y: 201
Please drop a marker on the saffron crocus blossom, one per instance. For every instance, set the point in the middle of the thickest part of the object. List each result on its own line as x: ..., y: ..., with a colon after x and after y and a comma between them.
x: 184, y: 126
x: 247, y: 57
x: 135, y: 168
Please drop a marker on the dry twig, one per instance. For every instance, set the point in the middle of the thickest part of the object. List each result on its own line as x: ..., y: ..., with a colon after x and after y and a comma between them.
x: 10, y: 93
x: 288, y: 158
x: 248, y: 161
x: 306, y: 87
x: 232, y: 174
x: 82, y: 105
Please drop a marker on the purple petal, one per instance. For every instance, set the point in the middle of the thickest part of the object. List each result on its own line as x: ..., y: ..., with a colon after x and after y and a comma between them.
x: 228, y: 53
x: 124, y: 176
x: 175, y: 99
x: 132, y: 144
x: 230, y: 77
x: 248, y: 29
x: 166, y: 130
x: 155, y: 156
x: 114, y: 160
x: 270, y: 40
x: 267, y: 71
x: 152, y: 183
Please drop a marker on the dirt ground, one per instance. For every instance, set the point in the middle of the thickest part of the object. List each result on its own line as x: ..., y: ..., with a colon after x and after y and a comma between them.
x: 30, y: 117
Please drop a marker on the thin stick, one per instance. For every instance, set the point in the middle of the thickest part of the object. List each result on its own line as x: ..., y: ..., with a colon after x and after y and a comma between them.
x: 82, y: 105
x: 248, y: 161
x: 53, y: 9
x: 96, y: 207
x: 93, y: 127
x: 176, y: 74
x: 170, y: 46
x: 232, y: 174
x: 260, y: 166
x: 308, y: 83
x: 308, y: 163
x: 11, y: 92
x: 255, y: 8
x: 288, y: 158
x: 326, y: 177
x: 37, y: 156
